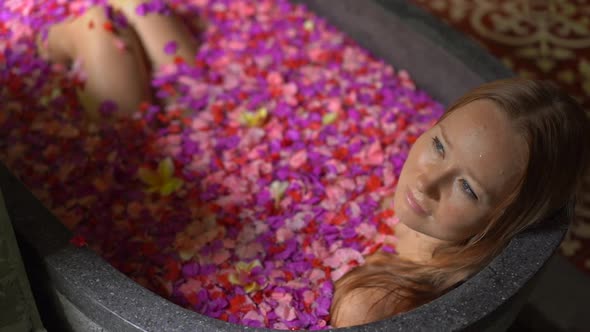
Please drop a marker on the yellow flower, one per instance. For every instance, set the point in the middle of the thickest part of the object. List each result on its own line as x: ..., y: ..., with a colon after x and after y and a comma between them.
x: 277, y: 190
x: 329, y: 118
x: 243, y: 276
x: 255, y: 119
x: 162, y: 180
x: 308, y: 25
x: 46, y: 99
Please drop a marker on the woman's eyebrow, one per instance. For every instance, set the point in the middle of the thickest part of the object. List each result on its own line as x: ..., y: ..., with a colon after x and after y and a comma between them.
x: 448, y: 144
x: 444, y: 136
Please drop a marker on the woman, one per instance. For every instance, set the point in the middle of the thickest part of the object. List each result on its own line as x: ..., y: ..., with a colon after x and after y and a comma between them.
x: 504, y: 157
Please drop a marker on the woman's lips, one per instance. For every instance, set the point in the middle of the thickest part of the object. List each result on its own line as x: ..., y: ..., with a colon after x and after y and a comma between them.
x: 414, y: 205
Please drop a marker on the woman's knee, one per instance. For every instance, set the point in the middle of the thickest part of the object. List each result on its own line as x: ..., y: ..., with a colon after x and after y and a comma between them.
x: 111, y: 58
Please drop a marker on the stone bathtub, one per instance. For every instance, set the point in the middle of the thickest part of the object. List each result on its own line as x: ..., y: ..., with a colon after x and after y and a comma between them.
x: 76, y: 290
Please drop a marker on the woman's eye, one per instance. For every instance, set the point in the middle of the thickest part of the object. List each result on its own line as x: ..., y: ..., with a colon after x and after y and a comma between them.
x: 467, y: 189
x: 438, y: 147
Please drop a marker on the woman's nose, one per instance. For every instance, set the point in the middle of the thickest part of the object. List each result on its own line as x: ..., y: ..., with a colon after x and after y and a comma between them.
x: 429, y: 182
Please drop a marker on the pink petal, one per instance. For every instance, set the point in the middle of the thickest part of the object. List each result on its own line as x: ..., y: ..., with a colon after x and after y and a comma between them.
x: 230, y: 82
x: 298, y: 159
x: 335, y: 194
x: 315, y: 54
x: 221, y: 256
x: 229, y: 243
x: 343, y: 256
x: 174, y: 139
x: 316, y: 275
x: 319, y: 250
x: 199, y: 90
x: 290, y: 89
x: 275, y: 132
x: 276, y: 274
x: 308, y: 297
x: 200, y: 124
x: 374, y: 155
x: 388, y: 177
x: 236, y: 45
x: 190, y: 287
x: 339, y: 272
x: 244, y: 9
x: 334, y: 105
x: 254, y: 315
x: 352, y: 96
x: 366, y: 230
x: 355, y: 209
x: 281, y: 297
x: 284, y: 234
x: 264, y: 308
x: 274, y: 78
x: 250, y: 172
x: 120, y: 44
x: 251, y: 250
x: 347, y: 184
x: 285, y: 312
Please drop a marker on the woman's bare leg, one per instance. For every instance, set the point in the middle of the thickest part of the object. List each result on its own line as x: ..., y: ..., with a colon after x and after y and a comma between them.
x: 156, y: 31
x: 112, y: 60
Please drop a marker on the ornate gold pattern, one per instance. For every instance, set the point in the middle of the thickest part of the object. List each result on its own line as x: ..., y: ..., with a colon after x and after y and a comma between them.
x: 545, y: 31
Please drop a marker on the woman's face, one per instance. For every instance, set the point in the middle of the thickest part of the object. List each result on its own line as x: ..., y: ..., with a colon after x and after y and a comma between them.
x: 459, y: 171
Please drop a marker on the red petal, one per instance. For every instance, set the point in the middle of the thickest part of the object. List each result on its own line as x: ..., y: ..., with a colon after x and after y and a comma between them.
x: 108, y: 26
x: 79, y: 241
x: 236, y: 303
x: 341, y: 153
x: 385, y: 229
x: 178, y: 60
x: 172, y: 269
x: 339, y: 219
x: 148, y: 249
x: 192, y: 298
x: 373, y: 184
x: 257, y: 297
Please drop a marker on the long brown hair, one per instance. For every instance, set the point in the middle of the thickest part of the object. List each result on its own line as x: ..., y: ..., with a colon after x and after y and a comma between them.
x: 556, y: 131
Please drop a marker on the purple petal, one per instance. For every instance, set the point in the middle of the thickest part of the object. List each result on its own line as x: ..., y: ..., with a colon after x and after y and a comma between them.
x: 171, y: 47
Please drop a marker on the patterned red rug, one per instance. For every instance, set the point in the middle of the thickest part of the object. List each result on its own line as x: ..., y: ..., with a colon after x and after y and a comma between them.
x: 546, y: 39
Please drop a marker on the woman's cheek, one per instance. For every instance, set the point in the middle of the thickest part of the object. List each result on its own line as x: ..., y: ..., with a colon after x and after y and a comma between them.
x: 419, y: 146
x: 422, y: 157
x: 453, y: 214
x: 460, y: 218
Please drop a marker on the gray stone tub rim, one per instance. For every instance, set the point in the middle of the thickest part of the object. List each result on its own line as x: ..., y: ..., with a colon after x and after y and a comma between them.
x: 444, y: 64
